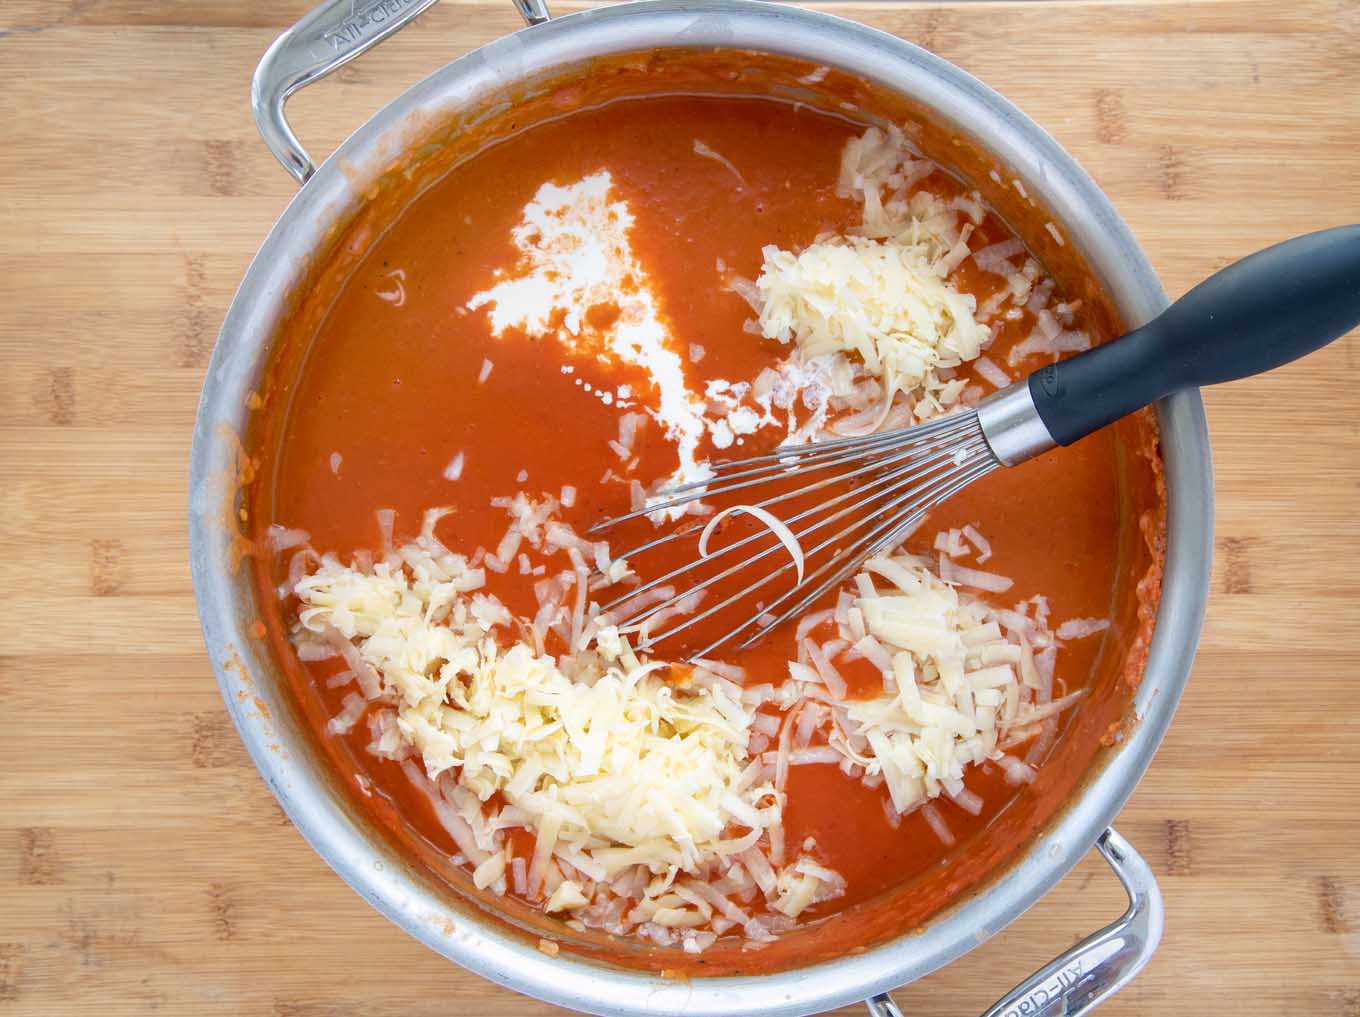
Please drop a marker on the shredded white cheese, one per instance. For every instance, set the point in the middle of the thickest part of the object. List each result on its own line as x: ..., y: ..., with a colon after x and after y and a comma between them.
x: 776, y: 526
x: 625, y: 780
x: 395, y: 294
x: 958, y: 692
x: 703, y: 150
x: 881, y: 294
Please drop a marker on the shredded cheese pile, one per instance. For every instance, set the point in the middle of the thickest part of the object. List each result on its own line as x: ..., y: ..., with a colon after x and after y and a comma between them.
x: 960, y: 687
x: 619, y: 769
x: 963, y: 683
x: 882, y: 294
x: 627, y: 782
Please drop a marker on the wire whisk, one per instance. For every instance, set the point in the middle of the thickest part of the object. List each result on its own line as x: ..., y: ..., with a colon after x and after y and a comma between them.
x: 851, y: 498
x: 890, y: 480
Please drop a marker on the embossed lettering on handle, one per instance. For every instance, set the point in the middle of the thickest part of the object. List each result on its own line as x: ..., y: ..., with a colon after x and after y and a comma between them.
x: 322, y: 41
x: 364, y: 19
x: 1097, y: 967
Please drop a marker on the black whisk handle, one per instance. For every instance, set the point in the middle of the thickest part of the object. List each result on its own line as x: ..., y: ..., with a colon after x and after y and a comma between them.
x: 1266, y: 310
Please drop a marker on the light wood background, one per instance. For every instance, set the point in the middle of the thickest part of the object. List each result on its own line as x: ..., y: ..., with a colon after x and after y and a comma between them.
x: 144, y: 866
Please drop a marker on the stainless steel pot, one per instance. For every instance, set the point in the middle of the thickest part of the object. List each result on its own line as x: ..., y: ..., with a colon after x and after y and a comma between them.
x: 257, y: 697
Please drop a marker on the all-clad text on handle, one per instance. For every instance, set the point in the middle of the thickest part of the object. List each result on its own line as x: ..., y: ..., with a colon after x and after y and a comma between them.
x: 1077, y: 981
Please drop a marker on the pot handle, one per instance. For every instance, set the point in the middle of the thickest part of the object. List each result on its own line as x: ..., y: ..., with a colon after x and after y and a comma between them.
x: 1077, y: 981
x: 325, y: 39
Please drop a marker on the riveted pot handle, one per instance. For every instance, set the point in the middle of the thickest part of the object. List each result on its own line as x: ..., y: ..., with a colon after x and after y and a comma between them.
x: 1077, y: 981
x: 325, y: 39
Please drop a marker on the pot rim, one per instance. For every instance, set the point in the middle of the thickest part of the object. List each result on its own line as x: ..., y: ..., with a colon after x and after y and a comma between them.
x: 453, y: 928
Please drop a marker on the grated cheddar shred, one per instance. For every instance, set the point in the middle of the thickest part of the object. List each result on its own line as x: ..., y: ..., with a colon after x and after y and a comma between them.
x: 882, y: 293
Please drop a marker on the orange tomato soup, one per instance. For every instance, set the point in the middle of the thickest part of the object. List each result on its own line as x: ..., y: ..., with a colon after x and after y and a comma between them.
x: 394, y: 379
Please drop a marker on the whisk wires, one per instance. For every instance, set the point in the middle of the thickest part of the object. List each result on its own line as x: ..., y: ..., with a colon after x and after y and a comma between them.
x: 862, y: 495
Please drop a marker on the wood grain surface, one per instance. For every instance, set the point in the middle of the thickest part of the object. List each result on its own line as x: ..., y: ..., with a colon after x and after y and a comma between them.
x: 144, y: 866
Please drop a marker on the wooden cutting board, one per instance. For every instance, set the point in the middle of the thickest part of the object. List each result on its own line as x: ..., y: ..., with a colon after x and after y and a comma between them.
x: 144, y: 866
